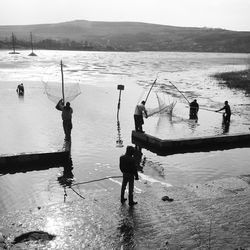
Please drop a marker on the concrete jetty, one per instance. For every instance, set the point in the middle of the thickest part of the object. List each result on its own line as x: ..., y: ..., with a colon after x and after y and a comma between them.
x: 32, y: 161
x: 186, y: 145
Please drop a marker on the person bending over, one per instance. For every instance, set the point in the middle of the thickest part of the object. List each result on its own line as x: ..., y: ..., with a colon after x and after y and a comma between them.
x: 138, y: 116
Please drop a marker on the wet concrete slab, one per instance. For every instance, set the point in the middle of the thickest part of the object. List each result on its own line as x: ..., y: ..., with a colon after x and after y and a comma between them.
x: 214, y: 215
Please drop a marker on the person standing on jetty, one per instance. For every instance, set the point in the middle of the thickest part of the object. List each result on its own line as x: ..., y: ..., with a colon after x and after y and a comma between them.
x: 227, y: 114
x: 138, y: 116
x: 67, y: 112
x: 129, y: 171
x: 20, y: 89
x: 194, y: 108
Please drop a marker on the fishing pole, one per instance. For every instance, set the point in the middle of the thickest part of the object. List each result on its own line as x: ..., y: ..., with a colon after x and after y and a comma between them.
x: 180, y: 92
x: 105, y: 178
x: 151, y: 88
x: 62, y: 83
x: 189, y: 102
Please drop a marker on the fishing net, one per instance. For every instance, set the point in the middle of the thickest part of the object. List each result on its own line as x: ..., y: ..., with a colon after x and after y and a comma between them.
x: 163, y: 107
x: 53, y: 90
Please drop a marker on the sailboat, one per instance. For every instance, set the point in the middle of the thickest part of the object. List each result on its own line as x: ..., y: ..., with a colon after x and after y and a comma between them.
x: 13, y: 38
x: 31, y: 41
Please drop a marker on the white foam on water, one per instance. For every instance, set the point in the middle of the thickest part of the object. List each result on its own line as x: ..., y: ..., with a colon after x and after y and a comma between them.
x: 152, y: 180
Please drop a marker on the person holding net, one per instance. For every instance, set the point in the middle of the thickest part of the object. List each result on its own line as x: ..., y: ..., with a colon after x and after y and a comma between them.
x: 67, y: 112
x: 138, y: 116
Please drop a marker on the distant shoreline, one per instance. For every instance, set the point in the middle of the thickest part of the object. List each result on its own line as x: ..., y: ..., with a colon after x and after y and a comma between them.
x: 235, y: 79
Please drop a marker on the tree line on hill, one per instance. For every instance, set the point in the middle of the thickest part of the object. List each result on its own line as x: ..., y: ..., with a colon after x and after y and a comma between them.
x: 124, y: 36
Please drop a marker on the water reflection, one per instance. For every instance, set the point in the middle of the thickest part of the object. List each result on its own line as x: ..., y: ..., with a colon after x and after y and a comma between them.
x: 192, y: 124
x: 127, y: 227
x: 119, y: 141
x: 225, y: 126
x: 20, y: 97
x: 67, y: 177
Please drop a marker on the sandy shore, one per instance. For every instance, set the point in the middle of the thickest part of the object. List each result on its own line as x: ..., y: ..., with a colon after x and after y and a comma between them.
x: 214, y: 215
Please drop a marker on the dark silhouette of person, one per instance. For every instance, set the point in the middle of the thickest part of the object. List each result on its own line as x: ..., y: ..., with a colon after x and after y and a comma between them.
x: 129, y: 171
x: 20, y: 89
x: 67, y: 112
x: 138, y: 116
x: 193, y: 111
x: 226, y: 114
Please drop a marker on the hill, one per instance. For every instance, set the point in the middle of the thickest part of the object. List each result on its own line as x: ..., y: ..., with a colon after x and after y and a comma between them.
x: 82, y: 34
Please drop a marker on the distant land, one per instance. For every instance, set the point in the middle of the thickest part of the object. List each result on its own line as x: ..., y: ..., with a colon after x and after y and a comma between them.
x: 124, y: 36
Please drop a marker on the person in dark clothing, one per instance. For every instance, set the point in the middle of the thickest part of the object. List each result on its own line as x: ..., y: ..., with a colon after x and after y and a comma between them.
x: 20, y: 89
x: 226, y: 114
x: 194, y: 108
x: 129, y: 171
x: 67, y: 112
x: 138, y: 116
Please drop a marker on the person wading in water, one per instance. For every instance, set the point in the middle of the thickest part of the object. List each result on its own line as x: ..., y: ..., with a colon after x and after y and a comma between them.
x: 138, y: 116
x: 194, y: 108
x: 67, y: 112
x: 20, y: 89
x: 227, y: 114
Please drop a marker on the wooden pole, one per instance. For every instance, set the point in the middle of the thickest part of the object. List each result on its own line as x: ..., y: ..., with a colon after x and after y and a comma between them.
x: 150, y: 89
x: 180, y: 92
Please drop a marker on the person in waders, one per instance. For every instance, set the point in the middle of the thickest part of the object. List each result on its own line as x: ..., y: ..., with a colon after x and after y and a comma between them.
x: 138, y: 116
x: 193, y: 111
x: 67, y: 112
x: 129, y: 171
x: 20, y: 89
x: 226, y: 114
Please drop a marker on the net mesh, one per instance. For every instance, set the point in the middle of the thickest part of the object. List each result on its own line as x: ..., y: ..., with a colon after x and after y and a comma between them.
x: 163, y: 107
x: 53, y: 90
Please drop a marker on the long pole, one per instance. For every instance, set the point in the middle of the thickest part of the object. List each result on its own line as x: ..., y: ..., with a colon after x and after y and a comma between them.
x: 150, y: 89
x: 62, y: 82
x: 180, y: 92
x: 188, y: 100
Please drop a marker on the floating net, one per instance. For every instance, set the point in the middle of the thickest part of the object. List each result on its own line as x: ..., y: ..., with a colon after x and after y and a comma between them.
x: 163, y: 107
x: 53, y: 90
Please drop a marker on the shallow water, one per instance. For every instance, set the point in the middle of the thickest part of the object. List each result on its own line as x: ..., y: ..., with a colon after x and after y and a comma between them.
x: 32, y: 124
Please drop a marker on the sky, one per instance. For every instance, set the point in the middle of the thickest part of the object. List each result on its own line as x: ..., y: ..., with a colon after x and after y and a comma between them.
x: 225, y: 14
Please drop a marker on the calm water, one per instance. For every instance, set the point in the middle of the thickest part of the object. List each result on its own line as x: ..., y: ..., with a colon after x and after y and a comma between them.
x: 32, y: 123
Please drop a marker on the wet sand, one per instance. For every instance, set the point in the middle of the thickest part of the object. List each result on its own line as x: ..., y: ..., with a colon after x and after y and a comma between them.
x: 214, y: 215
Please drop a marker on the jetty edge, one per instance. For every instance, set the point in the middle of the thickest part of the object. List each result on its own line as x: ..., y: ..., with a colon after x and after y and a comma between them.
x: 33, y: 161
x: 189, y: 145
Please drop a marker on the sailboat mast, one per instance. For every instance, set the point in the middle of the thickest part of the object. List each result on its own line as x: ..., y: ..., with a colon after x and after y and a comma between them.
x: 31, y: 41
x: 62, y: 83
x: 13, y: 42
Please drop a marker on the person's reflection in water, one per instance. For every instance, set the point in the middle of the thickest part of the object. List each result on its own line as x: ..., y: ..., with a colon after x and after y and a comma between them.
x: 193, y: 125
x: 127, y: 229
x: 225, y: 127
x: 21, y: 98
x: 67, y: 176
